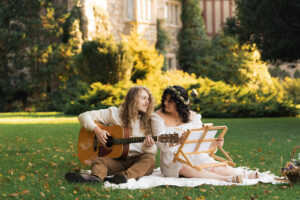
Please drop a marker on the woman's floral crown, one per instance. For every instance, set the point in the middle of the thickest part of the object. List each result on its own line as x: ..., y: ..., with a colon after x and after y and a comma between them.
x: 178, y: 95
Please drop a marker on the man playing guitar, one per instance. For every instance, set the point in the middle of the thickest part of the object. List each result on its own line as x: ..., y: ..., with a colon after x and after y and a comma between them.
x: 135, y: 115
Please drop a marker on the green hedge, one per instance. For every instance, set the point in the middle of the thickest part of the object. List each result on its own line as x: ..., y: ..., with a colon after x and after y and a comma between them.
x: 210, y: 98
x: 217, y: 99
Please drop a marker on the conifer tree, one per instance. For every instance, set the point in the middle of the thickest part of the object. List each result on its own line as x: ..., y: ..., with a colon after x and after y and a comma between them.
x: 274, y: 26
x: 192, y: 38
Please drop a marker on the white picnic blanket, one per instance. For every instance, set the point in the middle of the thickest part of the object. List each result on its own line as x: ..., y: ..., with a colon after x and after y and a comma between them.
x: 157, y: 179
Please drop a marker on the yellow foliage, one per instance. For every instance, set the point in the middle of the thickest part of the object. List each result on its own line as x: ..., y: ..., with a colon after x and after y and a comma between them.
x: 159, y: 81
x: 146, y: 57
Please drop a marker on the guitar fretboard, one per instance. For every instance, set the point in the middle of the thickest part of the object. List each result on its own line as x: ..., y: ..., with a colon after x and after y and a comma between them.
x: 131, y: 140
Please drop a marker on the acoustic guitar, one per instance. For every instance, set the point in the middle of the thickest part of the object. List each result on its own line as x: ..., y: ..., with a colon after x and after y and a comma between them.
x: 117, y: 145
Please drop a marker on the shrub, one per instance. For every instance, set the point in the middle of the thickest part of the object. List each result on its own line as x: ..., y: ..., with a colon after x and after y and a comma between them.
x: 217, y: 99
x: 159, y: 81
x: 210, y: 98
x: 98, y: 96
x: 292, y: 89
x: 60, y: 100
x: 163, y: 40
x: 192, y: 37
x: 225, y: 60
x: 297, y: 74
x: 277, y: 72
x: 146, y: 59
x: 104, y: 60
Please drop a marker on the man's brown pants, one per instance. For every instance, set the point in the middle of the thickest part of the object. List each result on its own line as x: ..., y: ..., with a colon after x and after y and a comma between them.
x: 131, y: 167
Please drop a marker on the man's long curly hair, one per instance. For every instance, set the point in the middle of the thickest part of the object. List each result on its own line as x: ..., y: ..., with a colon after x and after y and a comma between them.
x: 130, y: 112
x: 182, y: 108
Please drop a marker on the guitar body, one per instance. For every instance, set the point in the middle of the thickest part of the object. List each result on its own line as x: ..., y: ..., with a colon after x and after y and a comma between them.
x: 89, y: 148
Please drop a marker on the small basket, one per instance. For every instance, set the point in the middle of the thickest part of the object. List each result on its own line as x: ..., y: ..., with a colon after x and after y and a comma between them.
x: 292, y: 170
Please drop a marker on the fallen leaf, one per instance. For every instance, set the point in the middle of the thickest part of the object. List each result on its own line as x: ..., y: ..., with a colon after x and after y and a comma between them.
x: 11, y: 172
x: 146, y: 195
x: 42, y: 194
x: 188, y: 198
x: 97, y: 194
x: 25, y: 192
x: 129, y: 196
x: 40, y: 140
x: 22, y: 178
x: 202, y: 190
x: 14, y: 194
x: 46, y: 185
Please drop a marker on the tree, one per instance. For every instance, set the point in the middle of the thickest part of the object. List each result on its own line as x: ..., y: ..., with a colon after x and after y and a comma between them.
x: 274, y: 26
x: 225, y: 60
x: 163, y: 40
x: 34, y: 51
x: 104, y: 60
x: 192, y: 38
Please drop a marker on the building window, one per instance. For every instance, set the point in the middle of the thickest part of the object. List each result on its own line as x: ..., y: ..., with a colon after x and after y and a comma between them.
x: 130, y: 10
x: 172, y: 13
x: 141, y: 10
x: 145, y: 10
x: 171, y: 61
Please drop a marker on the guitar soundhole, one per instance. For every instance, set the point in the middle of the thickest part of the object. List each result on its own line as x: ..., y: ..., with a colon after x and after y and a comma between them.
x: 110, y: 141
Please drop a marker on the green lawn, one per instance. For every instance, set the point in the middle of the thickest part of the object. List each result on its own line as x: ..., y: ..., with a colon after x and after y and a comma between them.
x: 36, y: 151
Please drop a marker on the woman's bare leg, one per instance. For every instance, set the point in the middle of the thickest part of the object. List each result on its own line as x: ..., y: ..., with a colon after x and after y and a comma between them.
x: 224, y: 170
x: 189, y: 172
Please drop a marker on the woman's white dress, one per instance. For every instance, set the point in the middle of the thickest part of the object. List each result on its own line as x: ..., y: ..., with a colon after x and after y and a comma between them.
x: 167, y: 166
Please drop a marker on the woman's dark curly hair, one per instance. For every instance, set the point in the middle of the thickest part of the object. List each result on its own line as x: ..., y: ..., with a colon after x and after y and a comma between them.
x: 182, y: 104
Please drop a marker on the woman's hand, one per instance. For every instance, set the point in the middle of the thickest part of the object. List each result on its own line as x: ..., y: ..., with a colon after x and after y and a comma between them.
x: 148, y: 141
x: 220, y: 142
x: 180, y: 140
x: 101, y: 135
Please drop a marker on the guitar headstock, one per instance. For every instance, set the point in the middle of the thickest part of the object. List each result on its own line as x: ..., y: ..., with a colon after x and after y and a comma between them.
x: 168, y: 138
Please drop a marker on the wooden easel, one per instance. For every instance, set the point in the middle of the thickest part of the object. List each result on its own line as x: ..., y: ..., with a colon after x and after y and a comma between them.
x: 198, y: 141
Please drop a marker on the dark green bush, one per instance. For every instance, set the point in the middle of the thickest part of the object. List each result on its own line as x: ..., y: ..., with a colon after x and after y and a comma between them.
x: 292, y: 89
x: 217, y: 99
x: 214, y: 99
x: 192, y: 38
x: 97, y: 96
x: 297, y: 74
x: 277, y: 72
x: 163, y: 40
x: 225, y: 60
x: 104, y: 60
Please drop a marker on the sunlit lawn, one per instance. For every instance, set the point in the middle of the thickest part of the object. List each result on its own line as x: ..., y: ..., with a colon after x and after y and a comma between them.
x: 37, y: 149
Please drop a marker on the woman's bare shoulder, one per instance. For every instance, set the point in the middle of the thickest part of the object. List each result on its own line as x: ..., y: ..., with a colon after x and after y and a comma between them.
x: 192, y: 115
x: 160, y: 113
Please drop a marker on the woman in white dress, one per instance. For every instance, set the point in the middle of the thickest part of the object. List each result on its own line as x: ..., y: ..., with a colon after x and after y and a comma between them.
x: 175, y: 116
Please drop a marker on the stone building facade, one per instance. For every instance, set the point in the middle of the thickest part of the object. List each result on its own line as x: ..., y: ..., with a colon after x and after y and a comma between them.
x: 119, y: 17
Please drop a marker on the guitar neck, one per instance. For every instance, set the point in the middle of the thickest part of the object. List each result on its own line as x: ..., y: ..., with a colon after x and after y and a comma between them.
x: 131, y: 140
